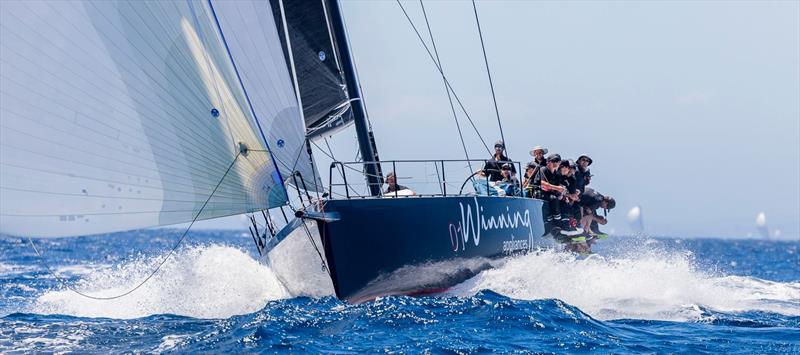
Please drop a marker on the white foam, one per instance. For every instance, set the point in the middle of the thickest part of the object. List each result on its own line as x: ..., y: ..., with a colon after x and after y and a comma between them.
x: 646, y: 286
x: 169, y: 342
x: 211, y: 281
x: 11, y: 269
x: 79, y: 269
x: 297, y: 263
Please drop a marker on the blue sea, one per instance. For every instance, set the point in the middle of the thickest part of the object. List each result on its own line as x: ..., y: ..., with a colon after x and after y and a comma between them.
x: 636, y: 295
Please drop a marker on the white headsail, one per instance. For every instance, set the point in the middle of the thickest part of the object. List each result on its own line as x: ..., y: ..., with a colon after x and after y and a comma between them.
x: 122, y: 115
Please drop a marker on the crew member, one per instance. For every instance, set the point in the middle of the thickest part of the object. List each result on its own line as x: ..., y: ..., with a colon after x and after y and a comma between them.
x: 527, y: 178
x: 590, y: 202
x: 509, y: 182
x: 583, y: 170
x: 493, y: 166
x: 571, y: 197
x: 395, y: 188
x: 538, y: 155
x: 548, y: 185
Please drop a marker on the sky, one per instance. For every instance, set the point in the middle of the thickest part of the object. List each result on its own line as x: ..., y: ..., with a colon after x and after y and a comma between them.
x: 690, y: 109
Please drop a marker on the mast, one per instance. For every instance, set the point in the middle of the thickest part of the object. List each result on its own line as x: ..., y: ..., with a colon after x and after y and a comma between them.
x: 363, y: 131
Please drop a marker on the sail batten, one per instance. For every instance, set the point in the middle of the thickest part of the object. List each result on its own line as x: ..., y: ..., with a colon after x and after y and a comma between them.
x: 118, y: 115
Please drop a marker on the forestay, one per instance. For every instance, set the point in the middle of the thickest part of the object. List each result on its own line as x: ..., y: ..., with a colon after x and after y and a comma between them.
x: 122, y: 115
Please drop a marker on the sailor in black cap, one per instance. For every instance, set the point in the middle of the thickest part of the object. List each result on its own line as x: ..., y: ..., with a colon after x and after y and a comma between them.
x: 571, y: 211
x: 509, y: 182
x: 591, y: 201
x: 582, y: 172
x: 527, y: 180
x: 494, y: 165
x: 548, y: 184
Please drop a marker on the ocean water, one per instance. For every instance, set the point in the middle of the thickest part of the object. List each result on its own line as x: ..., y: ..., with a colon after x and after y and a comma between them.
x: 635, y: 295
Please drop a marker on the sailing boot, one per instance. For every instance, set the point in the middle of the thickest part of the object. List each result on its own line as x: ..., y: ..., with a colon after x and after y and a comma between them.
x: 551, y: 226
x: 595, y: 232
x: 566, y: 228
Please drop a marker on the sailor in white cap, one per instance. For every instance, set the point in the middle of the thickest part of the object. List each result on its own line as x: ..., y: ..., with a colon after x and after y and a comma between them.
x: 538, y: 153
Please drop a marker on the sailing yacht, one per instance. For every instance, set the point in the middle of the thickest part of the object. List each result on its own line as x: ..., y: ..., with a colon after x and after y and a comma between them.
x: 119, y: 115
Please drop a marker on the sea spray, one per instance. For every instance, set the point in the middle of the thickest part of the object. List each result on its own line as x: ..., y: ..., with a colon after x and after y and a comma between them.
x: 34, y: 318
x: 208, y: 281
x: 201, y: 281
x: 299, y: 265
x: 649, y: 284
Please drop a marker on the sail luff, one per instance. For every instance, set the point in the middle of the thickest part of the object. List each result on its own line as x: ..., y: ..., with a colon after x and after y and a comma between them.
x: 249, y: 103
x: 290, y: 55
x: 288, y: 146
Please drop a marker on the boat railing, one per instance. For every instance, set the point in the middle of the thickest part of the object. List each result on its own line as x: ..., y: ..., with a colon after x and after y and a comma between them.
x: 442, y: 177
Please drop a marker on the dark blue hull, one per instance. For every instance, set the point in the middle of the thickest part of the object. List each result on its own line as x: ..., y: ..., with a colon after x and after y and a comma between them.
x: 386, y: 246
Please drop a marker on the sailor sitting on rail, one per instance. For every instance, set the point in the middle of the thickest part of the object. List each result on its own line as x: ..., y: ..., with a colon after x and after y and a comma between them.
x: 570, y: 210
x: 395, y: 189
x: 590, y: 202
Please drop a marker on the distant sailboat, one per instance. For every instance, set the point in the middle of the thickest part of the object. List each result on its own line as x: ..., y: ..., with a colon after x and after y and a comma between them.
x: 635, y: 219
x: 761, y: 225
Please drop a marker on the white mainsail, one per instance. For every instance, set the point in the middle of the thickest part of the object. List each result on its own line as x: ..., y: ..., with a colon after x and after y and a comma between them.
x: 118, y: 115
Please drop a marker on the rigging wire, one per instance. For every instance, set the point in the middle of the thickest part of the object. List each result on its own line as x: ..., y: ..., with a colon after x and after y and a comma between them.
x: 446, y: 89
x: 358, y: 158
x: 274, y: 158
x: 458, y: 100
x: 489, y: 73
x: 314, y: 244
x: 160, y: 264
x: 341, y: 174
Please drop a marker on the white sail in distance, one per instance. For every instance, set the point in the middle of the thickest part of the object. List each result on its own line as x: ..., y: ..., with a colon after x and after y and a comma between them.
x: 123, y: 115
x: 761, y: 225
x: 635, y: 219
